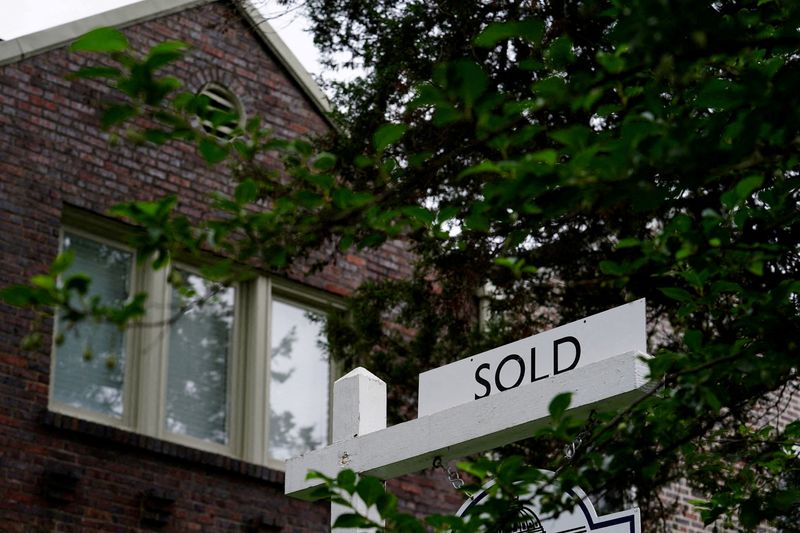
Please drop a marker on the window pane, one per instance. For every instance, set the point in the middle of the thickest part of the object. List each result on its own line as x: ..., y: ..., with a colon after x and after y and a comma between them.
x: 199, y: 346
x: 90, y: 364
x: 300, y: 382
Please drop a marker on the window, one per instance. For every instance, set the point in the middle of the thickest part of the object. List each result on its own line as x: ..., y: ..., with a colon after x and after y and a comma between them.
x: 222, y: 113
x: 235, y: 370
x: 90, y: 362
x: 299, y: 382
x: 200, y: 342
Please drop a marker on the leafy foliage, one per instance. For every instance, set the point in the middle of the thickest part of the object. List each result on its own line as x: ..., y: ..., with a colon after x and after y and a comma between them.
x: 69, y: 294
x: 589, y: 153
x: 563, y: 157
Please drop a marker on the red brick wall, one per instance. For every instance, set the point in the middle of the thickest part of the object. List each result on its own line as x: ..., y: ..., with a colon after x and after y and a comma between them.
x: 426, y: 494
x: 61, y: 474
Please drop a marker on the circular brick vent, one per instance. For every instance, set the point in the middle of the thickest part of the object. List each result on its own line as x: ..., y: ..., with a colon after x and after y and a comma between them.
x: 222, y: 114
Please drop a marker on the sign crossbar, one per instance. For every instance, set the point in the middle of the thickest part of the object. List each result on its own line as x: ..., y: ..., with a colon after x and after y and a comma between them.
x: 475, y: 427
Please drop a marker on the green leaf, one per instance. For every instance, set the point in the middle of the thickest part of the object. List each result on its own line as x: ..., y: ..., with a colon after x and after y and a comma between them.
x: 32, y: 341
x: 628, y: 243
x: 711, y: 399
x: 386, y: 504
x: 468, y: 80
x: 62, y: 262
x: 218, y: 270
x: 212, y: 151
x: 345, y: 242
x: 531, y: 30
x: 18, y: 295
x: 447, y: 213
x: 477, y: 469
x: 325, y: 161
x: 676, y: 294
x: 547, y: 156
x: 576, y: 136
x: 428, y: 95
x: 346, y: 479
x: 157, y: 60
x: 350, y: 520
x: 723, y: 286
x: 756, y: 266
x: 246, y: 192
x: 373, y: 240
x: 650, y: 470
x: 477, y: 221
x: 408, y: 524
x: 79, y: 283
x: 102, y: 40
x: 308, y: 199
x: 345, y: 198
x: 559, y: 404
x: 446, y: 114
x: 370, y: 489
x: 482, y: 167
x: 418, y: 213
x: 156, y: 136
x: 44, y: 281
x: 749, y: 514
x: 613, y: 63
x: 741, y: 191
x: 116, y: 114
x: 168, y: 47
x: 363, y: 161
x: 388, y: 134
x: 559, y: 54
x: 183, y: 100
x: 749, y: 184
x: 612, y: 268
x: 553, y: 88
x: 324, y: 181
x: 719, y: 94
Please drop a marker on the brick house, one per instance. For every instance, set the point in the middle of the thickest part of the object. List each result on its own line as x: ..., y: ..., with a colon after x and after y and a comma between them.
x: 119, y: 431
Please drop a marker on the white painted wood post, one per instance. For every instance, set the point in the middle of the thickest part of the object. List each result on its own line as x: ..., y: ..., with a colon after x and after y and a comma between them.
x: 359, y: 407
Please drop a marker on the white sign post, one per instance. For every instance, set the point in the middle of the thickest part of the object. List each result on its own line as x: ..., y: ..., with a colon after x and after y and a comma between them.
x: 360, y: 407
x: 480, y: 419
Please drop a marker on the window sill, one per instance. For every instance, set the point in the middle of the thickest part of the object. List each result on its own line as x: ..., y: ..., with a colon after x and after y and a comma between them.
x: 122, y: 437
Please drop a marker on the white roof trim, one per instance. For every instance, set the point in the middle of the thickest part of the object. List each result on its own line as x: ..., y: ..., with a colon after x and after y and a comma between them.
x: 57, y: 36
x: 285, y: 56
x: 25, y: 46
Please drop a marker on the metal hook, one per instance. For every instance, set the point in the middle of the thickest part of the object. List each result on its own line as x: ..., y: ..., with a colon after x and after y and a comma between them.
x: 452, y: 475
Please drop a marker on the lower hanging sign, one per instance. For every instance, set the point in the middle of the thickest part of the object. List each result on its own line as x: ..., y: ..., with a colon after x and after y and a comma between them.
x: 524, y: 515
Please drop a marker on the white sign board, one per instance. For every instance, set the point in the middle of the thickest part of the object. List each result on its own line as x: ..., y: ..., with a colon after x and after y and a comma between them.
x: 534, y: 359
x: 581, y: 518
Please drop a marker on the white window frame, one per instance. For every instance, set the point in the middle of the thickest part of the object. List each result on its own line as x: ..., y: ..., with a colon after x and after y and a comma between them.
x: 146, y: 363
x: 310, y: 301
x: 234, y: 357
x: 125, y: 421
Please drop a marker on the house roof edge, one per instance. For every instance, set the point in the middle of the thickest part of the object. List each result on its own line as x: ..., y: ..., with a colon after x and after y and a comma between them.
x: 32, y: 44
x: 38, y: 42
x: 285, y: 56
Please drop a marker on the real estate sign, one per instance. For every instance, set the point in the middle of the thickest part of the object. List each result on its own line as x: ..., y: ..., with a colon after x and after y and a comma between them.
x: 599, y: 359
x: 534, y: 359
x: 524, y: 515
